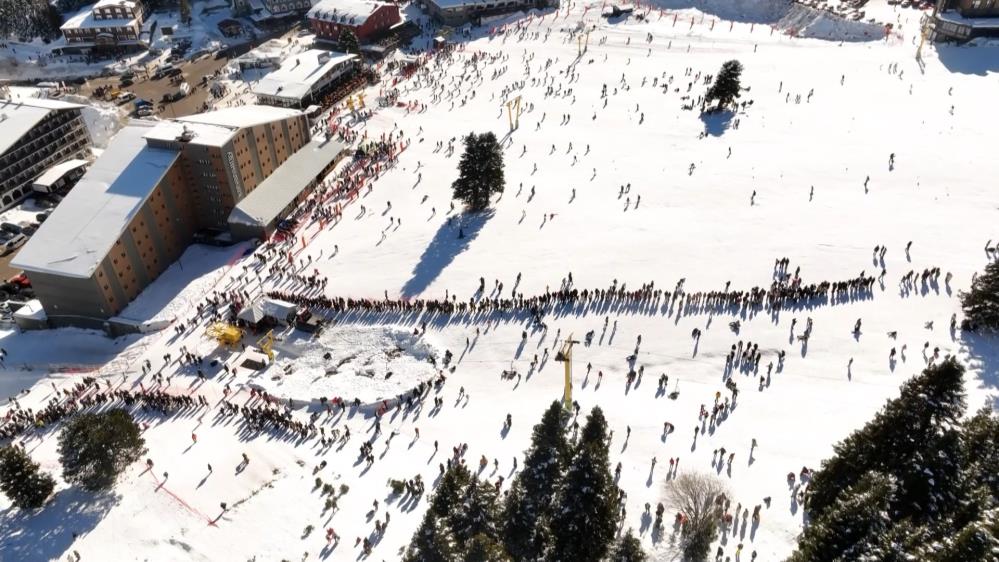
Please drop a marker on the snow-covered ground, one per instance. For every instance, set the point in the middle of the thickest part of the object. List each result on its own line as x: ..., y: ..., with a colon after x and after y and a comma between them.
x: 720, y: 200
x: 369, y: 364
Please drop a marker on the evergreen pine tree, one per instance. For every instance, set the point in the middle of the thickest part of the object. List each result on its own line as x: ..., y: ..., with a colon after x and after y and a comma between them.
x: 479, y: 513
x: 726, y: 87
x: 21, y: 481
x: 979, y: 540
x: 348, y: 42
x: 432, y: 542
x: 981, y: 302
x: 450, y: 494
x: 481, y: 548
x: 529, y: 504
x: 913, y: 439
x: 847, y: 528
x: 629, y: 549
x: 480, y: 171
x: 95, y: 448
x: 585, y: 520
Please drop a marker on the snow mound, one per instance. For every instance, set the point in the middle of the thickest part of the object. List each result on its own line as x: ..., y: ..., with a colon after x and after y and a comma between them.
x: 746, y: 11
x: 369, y: 364
x: 803, y: 21
x: 786, y: 15
x: 103, y: 120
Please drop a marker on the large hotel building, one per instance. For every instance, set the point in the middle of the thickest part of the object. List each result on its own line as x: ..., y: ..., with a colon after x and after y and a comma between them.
x: 139, y: 205
x: 36, y: 135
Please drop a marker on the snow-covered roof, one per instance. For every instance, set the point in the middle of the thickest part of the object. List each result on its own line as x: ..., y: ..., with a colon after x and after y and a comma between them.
x: 445, y: 4
x: 19, y: 117
x: 241, y: 116
x: 84, y: 19
x: 32, y: 310
x: 55, y: 173
x: 299, y: 74
x: 129, y: 4
x: 266, y: 306
x: 280, y: 189
x: 953, y: 16
x: 84, y: 227
x: 351, y: 12
x: 197, y: 133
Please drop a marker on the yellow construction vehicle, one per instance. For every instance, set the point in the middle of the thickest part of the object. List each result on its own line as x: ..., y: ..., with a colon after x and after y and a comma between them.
x: 226, y: 334
x: 266, y: 344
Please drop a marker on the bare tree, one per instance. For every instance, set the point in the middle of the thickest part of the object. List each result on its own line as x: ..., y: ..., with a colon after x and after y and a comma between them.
x: 700, y: 498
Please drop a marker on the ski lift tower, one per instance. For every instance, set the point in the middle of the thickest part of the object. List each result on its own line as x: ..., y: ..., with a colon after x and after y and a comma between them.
x: 564, y: 355
x: 513, y: 113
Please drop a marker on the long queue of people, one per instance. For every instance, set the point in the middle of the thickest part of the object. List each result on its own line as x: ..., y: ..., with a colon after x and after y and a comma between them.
x: 780, y: 295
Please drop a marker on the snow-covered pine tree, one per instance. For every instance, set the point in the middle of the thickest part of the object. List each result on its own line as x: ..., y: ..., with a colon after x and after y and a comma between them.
x: 981, y: 302
x: 484, y: 549
x: 628, y: 549
x: 478, y: 513
x: 978, y: 540
x: 914, y: 438
x: 21, y: 481
x: 529, y: 504
x: 726, y: 87
x: 348, y: 42
x: 852, y: 525
x: 95, y: 448
x: 432, y: 542
x: 480, y: 171
x: 587, y: 513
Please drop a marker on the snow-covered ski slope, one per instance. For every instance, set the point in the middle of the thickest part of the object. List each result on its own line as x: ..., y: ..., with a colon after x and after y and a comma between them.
x: 868, y: 100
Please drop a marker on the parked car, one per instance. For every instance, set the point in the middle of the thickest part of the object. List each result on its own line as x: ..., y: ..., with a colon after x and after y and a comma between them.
x: 14, y: 242
x: 127, y: 75
x: 10, y: 227
x: 40, y: 217
x: 126, y: 82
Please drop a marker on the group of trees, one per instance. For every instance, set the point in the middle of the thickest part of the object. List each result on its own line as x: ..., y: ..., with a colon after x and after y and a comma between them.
x: 562, y: 505
x: 918, y: 482
x: 27, y: 19
x: 94, y: 448
x: 480, y: 172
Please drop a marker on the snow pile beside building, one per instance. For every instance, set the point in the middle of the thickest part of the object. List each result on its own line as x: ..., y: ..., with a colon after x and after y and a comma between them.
x: 183, y: 284
x: 103, y: 121
x: 817, y: 24
x: 786, y: 15
x: 370, y: 364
